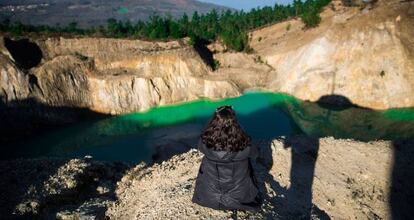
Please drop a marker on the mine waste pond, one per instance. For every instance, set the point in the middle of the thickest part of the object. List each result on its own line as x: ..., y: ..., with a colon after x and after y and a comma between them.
x: 164, y: 131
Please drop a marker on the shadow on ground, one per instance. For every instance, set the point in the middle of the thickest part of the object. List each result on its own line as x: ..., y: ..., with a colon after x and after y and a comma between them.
x: 57, y: 188
x: 45, y: 188
x: 294, y: 202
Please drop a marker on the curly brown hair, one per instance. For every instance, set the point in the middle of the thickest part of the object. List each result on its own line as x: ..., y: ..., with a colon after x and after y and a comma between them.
x: 224, y: 133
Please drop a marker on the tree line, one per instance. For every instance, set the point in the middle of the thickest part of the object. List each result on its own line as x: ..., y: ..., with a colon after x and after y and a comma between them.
x: 230, y: 26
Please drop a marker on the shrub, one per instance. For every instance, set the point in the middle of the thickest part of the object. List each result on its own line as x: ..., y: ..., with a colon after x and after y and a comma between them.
x: 235, y: 40
x: 216, y: 64
x: 311, y: 18
x: 248, y: 49
x: 288, y: 27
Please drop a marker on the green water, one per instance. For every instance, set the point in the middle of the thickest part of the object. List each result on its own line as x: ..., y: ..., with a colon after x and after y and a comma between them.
x: 174, y: 129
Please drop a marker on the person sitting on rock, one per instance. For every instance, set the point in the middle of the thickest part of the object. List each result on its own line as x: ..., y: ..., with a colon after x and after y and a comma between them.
x: 225, y: 179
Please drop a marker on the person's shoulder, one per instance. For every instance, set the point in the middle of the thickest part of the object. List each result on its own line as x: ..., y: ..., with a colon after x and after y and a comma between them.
x: 254, y: 151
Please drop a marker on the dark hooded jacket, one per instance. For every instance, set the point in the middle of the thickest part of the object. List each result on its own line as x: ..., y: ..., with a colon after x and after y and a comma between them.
x: 225, y: 180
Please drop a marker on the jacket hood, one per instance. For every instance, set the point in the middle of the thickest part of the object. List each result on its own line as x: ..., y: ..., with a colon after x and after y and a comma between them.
x: 225, y: 156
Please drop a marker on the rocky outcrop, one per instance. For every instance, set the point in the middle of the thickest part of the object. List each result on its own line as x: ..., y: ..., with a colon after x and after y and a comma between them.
x: 113, y: 76
x: 14, y: 84
x: 57, y: 188
x: 298, y: 176
x: 366, y: 56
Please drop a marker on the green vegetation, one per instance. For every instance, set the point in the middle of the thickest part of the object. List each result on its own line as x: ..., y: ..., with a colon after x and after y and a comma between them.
x: 288, y: 27
x: 230, y: 26
x: 311, y: 18
x: 309, y: 12
x: 216, y: 64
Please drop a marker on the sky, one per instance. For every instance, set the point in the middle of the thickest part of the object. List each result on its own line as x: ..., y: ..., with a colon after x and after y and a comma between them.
x: 246, y: 5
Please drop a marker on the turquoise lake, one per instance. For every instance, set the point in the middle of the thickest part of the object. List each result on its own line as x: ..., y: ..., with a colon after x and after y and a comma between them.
x: 174, y: 129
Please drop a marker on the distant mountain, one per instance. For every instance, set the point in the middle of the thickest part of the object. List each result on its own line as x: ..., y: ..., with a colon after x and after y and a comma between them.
x: 95, y: 12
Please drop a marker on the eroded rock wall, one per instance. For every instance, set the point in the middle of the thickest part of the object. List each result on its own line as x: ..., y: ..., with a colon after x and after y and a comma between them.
x: 366, y: 56
x: 14, y: 84
x: 113, y: 76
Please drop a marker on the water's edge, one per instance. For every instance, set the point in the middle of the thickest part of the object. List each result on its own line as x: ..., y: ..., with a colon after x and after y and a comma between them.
x: 146, y: 136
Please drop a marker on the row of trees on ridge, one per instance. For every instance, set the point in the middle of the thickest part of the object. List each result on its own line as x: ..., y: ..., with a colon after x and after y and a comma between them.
x: 230, y: 26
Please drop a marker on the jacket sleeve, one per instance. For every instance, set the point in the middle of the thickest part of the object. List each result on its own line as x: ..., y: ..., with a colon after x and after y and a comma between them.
x: 254, y: 152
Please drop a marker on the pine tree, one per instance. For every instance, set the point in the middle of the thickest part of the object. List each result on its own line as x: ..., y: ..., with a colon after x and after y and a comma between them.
x: 298, y: 5
x: 311, y: 18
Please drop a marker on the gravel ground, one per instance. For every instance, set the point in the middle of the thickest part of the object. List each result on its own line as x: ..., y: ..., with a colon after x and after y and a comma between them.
x: 299, y: 178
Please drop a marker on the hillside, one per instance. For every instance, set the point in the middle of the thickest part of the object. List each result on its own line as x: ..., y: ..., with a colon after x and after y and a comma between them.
x: 95, y: 12
x: 366, y: 55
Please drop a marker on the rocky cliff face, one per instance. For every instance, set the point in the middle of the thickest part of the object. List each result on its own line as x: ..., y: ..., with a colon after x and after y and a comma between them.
x: 111, y: 76
x: 364, y: 55
x: 14, y: 84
